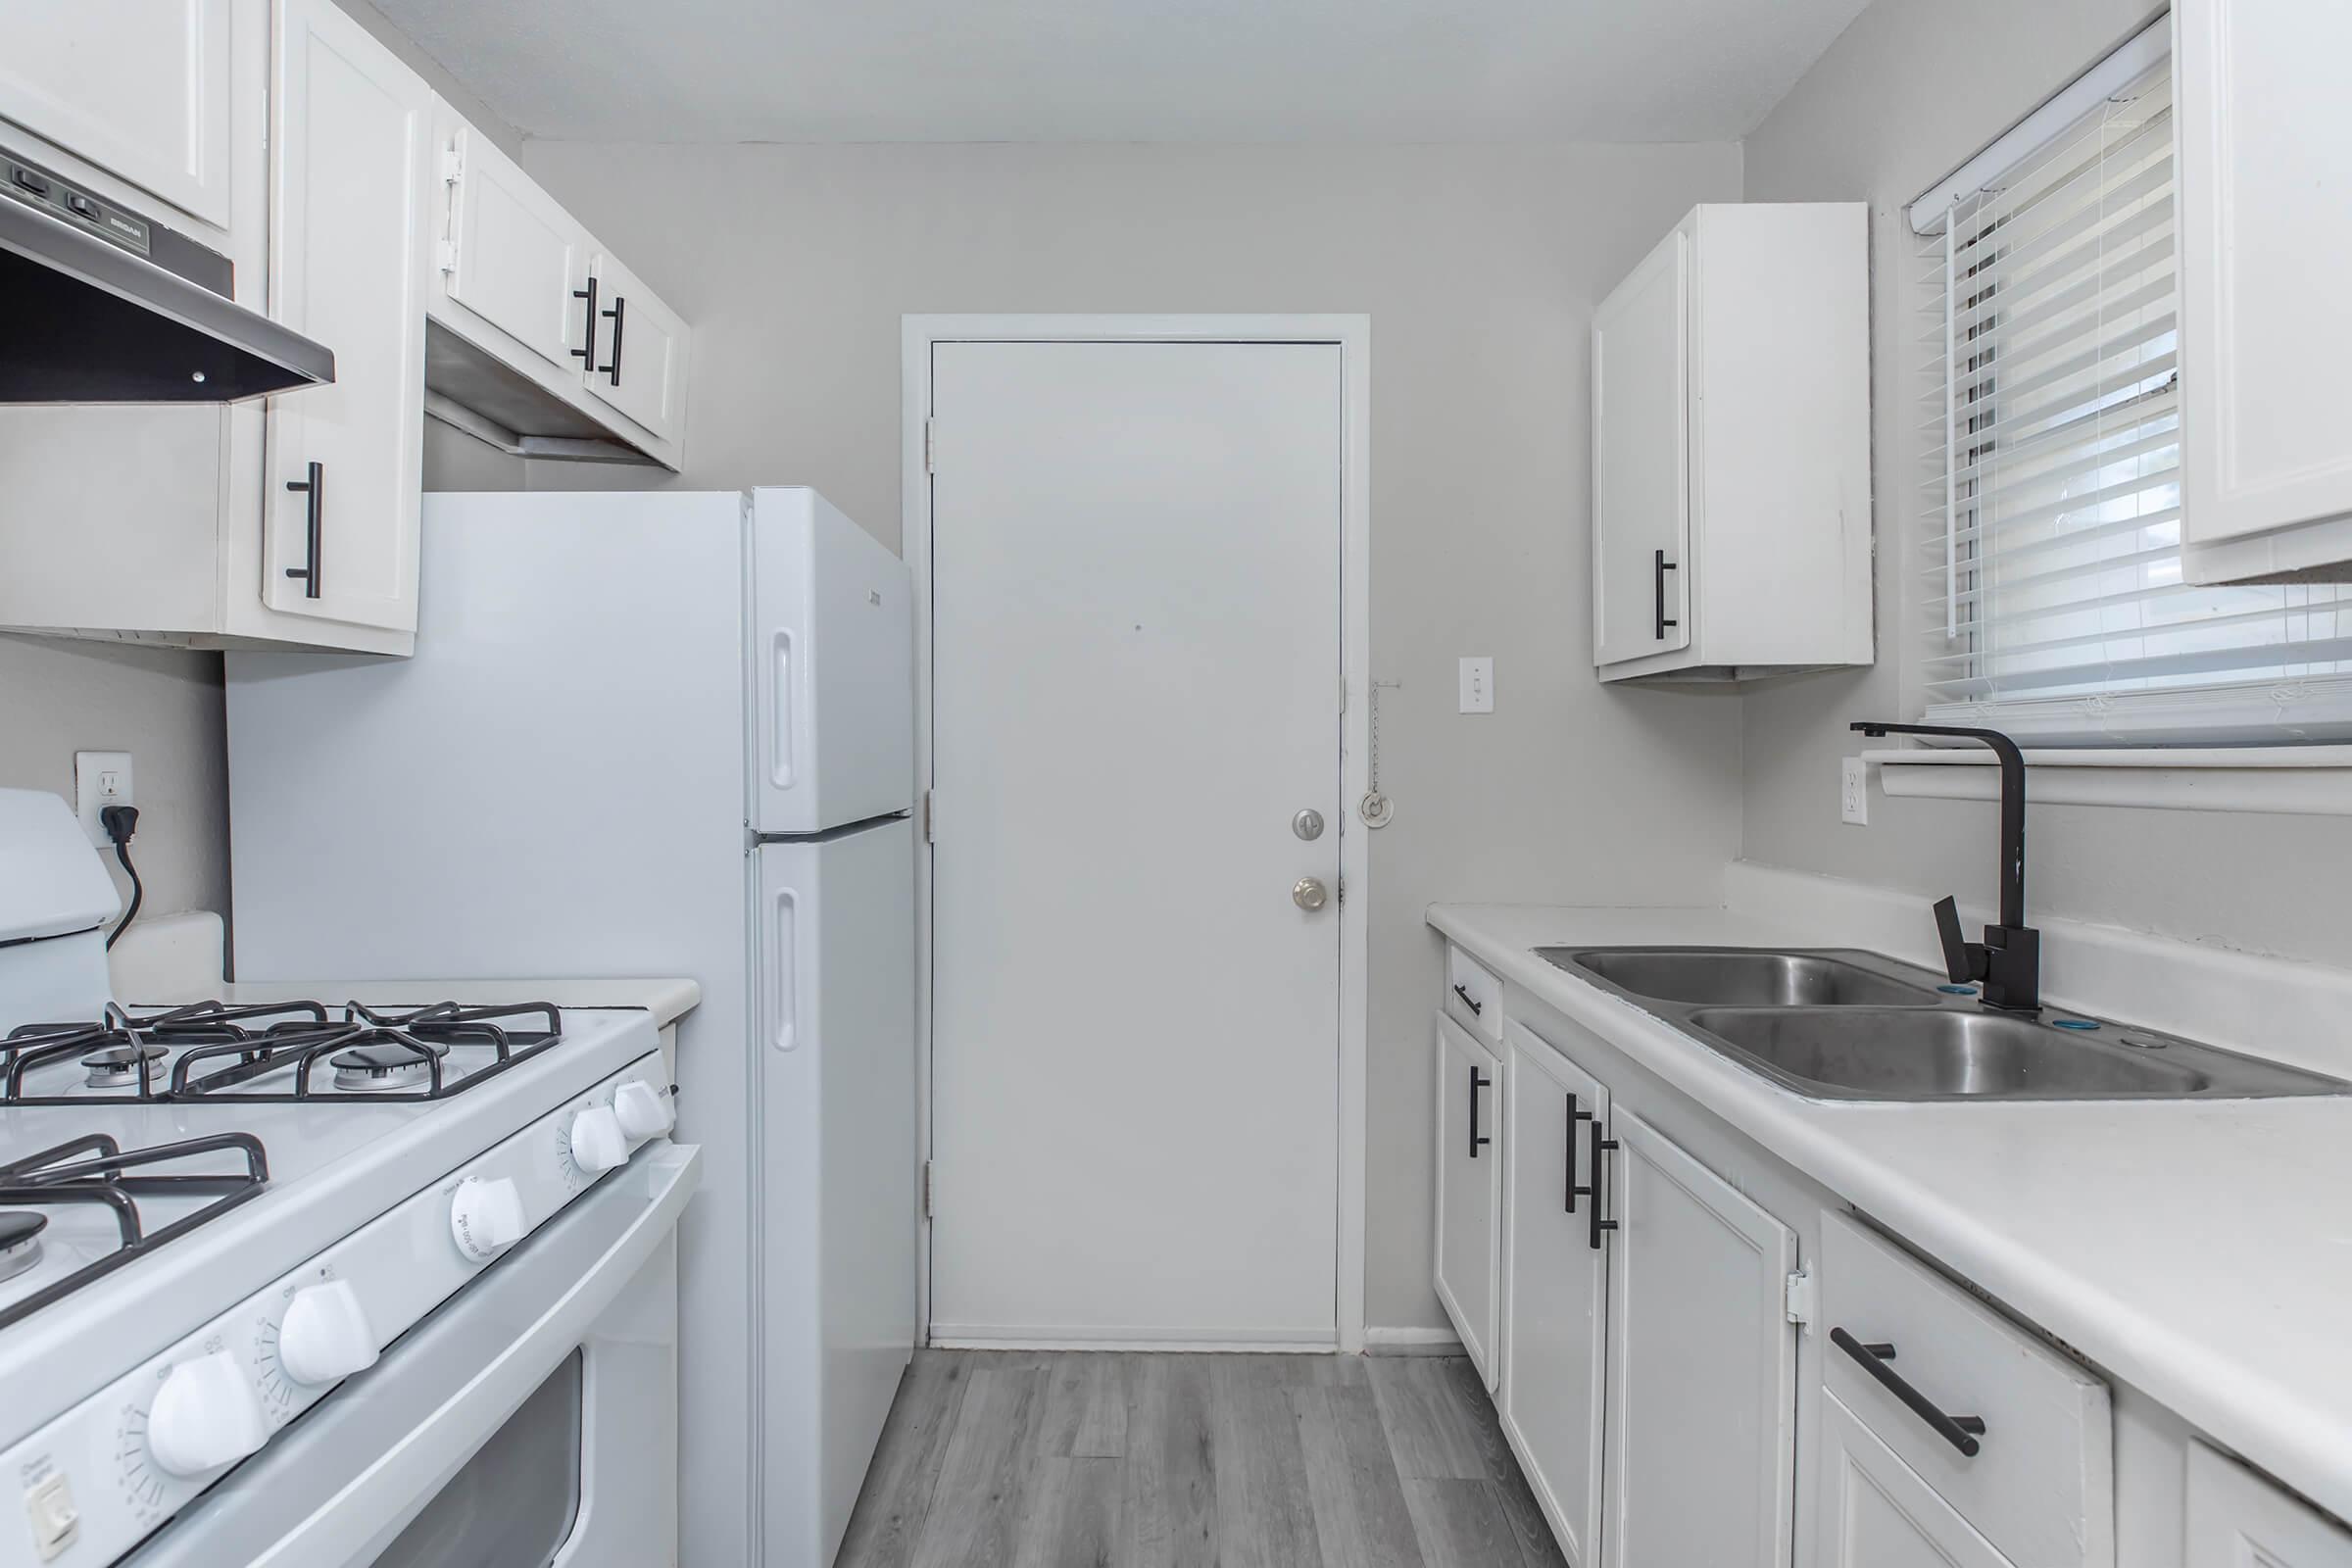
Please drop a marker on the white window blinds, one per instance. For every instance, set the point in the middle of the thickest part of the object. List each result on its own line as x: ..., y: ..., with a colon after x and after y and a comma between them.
x: 2053, y: 596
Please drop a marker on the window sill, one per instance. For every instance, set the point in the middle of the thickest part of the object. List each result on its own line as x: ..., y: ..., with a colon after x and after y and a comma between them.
x: 2289, y: 780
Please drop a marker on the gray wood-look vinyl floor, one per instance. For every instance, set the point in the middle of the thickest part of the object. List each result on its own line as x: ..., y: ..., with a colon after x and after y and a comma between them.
x: 1017, y: 1459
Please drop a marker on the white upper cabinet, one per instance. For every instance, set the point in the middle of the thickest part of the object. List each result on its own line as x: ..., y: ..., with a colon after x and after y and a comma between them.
x: 137, y: 87
x: 1641, y: 457
x: 638, y: 362
x: 545, y: 342
x: 351, y: 184
x: 2265, y: 140
x: 513, y: 258
x: 1731, y: 449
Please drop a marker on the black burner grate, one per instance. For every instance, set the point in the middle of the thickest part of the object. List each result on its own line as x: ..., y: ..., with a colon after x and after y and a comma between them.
x: 271, y: 1053
x: 96, y: 1170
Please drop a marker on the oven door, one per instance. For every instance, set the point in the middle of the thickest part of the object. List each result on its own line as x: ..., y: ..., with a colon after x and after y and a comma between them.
x: 531, y: 1422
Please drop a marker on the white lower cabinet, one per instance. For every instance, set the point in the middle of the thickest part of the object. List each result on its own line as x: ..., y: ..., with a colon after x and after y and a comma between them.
x: 1469, y: 1191
x: 1555, y: 1285
x: 1875, y: 1512
x: 1701, y: 1404
x: 2238, y: 1520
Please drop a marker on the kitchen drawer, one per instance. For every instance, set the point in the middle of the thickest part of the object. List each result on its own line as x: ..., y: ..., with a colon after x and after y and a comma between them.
x: 2040, y: 1487
x: 1473, y: 994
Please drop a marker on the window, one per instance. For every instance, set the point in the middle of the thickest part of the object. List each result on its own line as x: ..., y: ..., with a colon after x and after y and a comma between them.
x: 2054, y: 600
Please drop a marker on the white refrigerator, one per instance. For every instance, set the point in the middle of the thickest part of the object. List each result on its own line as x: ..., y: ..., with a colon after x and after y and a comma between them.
x: 653, y: 734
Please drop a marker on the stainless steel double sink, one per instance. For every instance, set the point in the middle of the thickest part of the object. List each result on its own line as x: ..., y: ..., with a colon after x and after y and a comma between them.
x: 1846, y: 1024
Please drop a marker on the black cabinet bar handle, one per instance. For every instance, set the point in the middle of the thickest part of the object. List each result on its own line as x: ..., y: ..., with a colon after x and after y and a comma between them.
x: 587, y: 324
x: 1602, y: 1143
x: 1960, y: 1430
x: 615, y: 316
x: 1664, y: 568
x: 1476, y: 1084
x: 1575, y: 1191
x: 1463, y: 992
x: 313, y: 490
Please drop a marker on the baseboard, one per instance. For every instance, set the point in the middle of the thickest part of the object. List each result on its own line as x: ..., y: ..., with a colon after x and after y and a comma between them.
x: 1027, y: 1337
x: 1412, y: 1341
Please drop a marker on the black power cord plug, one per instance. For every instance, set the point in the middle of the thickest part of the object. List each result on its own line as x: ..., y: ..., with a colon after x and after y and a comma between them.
x: 121, y: 822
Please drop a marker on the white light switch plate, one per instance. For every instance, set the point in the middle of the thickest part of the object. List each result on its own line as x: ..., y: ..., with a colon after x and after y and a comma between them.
x: 1853, y: 793
x: 100, y: 779
x: 1478, y: 685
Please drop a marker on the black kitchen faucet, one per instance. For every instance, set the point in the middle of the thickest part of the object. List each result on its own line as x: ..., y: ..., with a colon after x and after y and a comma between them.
x: 2008, y: 961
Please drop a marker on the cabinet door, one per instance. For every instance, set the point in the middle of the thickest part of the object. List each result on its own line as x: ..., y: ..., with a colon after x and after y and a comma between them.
x: 639, y: 363
x: 1469, y: 1190
x: 1875, y: 1512
x: 1642, y: 459
x: 349, y: 152
x: 1555, y: 1274
x: 2265, y: 145
x: 139, y: 87
x: 1702, y: 1364
x: 514, y: 257
x: 2238, y: 1520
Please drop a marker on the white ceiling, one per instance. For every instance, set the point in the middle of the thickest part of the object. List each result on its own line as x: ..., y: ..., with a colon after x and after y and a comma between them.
x: 1159, y: 70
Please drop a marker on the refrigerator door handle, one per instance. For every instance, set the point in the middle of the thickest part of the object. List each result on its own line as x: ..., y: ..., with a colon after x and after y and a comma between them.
x: 780, y: 670
x: 784, y: 968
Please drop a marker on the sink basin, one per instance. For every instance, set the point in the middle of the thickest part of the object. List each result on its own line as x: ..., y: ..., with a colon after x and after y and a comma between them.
x: 1840, y: 1023
x: 1749, y: 976
x: 1942, y: 1052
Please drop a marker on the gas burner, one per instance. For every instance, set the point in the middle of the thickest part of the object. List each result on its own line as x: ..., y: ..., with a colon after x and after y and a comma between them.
x: 378, y: 1070
x: 94, y: 1171
x: 122, y: 1066
x: 19, y: 1242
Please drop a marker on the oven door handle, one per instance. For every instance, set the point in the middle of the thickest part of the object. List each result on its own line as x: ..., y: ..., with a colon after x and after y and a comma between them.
x: 332, y: 1491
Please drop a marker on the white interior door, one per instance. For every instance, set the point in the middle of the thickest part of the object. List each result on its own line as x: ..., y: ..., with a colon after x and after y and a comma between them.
x: 1136, y: 689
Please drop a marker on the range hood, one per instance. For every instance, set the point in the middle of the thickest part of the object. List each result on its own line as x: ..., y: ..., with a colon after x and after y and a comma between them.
x: 106, y: 306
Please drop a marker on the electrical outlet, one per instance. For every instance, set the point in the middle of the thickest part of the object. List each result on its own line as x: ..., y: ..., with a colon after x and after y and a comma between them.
x: 1853, y: 795
x: 100, y: 779
x: 1478, y: 685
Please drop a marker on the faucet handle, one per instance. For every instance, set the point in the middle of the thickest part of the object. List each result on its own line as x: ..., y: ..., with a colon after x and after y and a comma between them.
x: 1964, y: 960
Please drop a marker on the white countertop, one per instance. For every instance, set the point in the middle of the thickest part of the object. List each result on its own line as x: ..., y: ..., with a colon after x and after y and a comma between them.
x: 2200, y: 1252
x: 666, y: 999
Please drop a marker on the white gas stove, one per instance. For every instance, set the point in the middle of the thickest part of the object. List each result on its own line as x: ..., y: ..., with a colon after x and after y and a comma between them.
x: 317, y: 1283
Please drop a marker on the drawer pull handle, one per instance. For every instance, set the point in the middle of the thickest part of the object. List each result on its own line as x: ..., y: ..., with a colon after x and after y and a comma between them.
x: 1960, y: 1430
x: 1576, y: 1189
x: 1478, y: 1081
x: 1477, y: 1011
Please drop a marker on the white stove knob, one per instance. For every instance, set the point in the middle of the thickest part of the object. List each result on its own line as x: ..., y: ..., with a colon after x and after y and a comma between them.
x: 205, y: 1415
x: 325, y: 1337
x: 596, y: 1142
x: 486, y: 1217
x: 644, y: 1110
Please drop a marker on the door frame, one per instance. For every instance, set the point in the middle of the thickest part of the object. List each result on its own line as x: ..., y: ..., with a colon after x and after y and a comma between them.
x: 1352, y: 336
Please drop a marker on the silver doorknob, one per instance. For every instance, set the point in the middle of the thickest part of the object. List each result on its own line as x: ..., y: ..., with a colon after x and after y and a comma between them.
x: 1311, y: 894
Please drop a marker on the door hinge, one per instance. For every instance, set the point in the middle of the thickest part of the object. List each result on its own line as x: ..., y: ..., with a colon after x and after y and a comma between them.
x: 930, y: 447
x: 449, y: 255
x: 1802, y: 1297
x: 453, y: 164
x: 1339, y: 894
x: 927, y: 1189
x: 930, y: 817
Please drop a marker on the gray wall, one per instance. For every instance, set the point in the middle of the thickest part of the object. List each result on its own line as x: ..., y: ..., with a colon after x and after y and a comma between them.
x: 1478, y: 267
x: 1882, y: 117
x: 58, y: 696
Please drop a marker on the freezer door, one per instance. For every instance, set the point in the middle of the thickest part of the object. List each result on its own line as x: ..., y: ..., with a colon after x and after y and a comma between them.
x: 835, y: 1194
x: 831, y: 629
